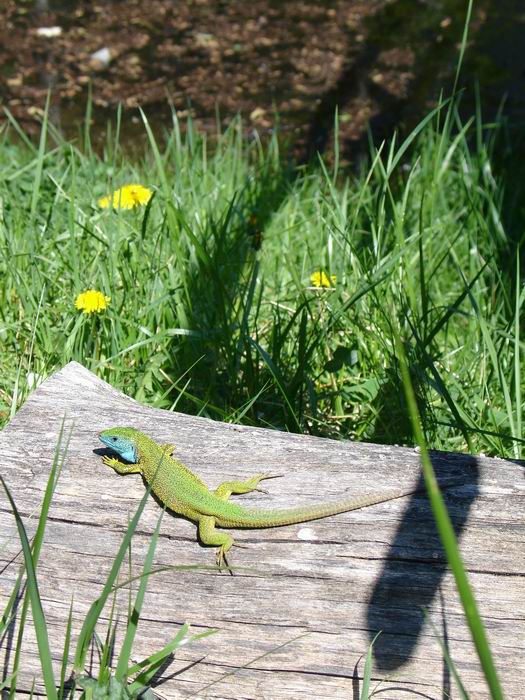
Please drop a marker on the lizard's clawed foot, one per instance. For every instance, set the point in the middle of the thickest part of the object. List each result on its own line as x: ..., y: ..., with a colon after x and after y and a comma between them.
x: 254, y: 481
x: 221, y: 560
x: 112, y: 462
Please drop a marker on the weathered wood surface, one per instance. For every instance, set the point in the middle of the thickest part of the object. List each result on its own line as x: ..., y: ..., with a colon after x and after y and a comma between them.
x: 337, y: 581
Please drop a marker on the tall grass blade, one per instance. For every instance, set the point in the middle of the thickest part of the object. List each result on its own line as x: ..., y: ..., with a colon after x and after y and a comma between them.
x: 65, y: 652
x: 367, y: 672
x: 39, y: 620
x: 248, y: 664
x: 37, y: 182
x: 447, y: 535
x: 96, y: 608
x: 463, y: 45
x: 131, y: 630
x: 150, y: 665
x: 448, y: 659
x: 54, y: 474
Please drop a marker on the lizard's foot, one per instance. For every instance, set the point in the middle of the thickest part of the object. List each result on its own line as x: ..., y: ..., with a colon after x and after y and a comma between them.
x: 210, y: 535
x: 121, y: 467
x: 112, y: 462
x: 225, y: 490
x: 222, y: 561
x: 253, y: 483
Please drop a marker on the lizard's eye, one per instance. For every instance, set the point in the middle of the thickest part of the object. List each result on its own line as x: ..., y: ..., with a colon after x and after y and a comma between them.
x: 114, y: 439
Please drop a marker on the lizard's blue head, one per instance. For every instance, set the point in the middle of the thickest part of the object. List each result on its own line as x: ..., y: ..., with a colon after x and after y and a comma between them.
x: 122, y: 441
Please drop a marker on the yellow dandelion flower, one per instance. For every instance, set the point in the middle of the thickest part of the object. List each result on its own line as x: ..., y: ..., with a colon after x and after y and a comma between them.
x: 126, y: 197
x: 320, y: 279
x: 92, y: 301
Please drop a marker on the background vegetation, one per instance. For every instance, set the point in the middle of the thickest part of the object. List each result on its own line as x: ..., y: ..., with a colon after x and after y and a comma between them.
x: 212, y: 305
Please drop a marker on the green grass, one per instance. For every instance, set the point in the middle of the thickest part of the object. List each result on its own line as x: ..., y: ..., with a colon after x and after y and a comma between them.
x: 212, y: 310
x: 450, y: 545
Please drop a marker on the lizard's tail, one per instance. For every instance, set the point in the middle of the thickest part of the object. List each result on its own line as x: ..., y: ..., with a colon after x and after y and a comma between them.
x: 302, y: 514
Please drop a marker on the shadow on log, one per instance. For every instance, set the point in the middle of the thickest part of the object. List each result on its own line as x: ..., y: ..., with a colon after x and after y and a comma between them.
x: 424, y: 569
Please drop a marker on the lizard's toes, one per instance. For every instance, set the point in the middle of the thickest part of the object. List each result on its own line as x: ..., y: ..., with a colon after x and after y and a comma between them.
x: 220, y: 559
x: 268, y: 475
x: 261, y: 477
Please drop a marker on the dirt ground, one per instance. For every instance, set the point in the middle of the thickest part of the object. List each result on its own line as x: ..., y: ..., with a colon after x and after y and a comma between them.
x: 300, y: 58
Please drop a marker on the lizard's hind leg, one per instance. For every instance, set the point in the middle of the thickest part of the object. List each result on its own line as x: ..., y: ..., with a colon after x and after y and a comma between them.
x: 225, y: 490
x: 210, y: 535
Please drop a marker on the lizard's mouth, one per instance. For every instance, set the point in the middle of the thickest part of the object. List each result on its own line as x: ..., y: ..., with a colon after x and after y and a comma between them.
x: 126, y: 452
x: 105, y: 440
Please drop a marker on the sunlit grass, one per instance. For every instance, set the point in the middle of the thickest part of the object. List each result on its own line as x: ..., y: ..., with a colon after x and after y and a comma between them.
x: 213, y: 309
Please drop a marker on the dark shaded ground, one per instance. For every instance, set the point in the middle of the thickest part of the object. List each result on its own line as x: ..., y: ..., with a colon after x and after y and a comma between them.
x: 380, y: 61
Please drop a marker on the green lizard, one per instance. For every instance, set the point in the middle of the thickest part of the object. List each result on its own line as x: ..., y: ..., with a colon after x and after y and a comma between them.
x: 180, y: 490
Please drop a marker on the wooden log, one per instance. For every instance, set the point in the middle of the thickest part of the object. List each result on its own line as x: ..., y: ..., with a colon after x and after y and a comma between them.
x: 297, y: 618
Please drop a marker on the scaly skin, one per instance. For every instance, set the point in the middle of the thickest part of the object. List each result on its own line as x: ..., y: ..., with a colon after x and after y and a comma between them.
x: 184, y: 493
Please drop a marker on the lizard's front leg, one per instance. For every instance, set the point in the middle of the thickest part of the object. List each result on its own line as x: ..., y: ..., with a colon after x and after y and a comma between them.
x: 121, y: 467
x: 210, y: 535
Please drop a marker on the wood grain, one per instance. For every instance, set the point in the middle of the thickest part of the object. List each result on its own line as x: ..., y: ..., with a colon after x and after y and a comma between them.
x: 298, y: 617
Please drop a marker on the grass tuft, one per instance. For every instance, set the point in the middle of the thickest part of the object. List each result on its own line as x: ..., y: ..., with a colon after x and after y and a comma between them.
x: 212, y: 308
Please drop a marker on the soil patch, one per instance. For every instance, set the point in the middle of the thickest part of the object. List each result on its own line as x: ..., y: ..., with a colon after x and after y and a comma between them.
x: 299, y: 58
